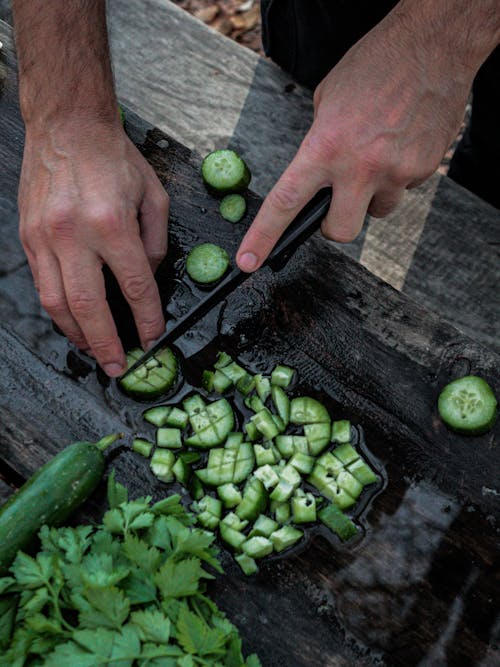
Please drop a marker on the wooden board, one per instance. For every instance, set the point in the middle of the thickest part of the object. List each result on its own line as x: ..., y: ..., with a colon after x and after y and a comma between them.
x: 421, y: 585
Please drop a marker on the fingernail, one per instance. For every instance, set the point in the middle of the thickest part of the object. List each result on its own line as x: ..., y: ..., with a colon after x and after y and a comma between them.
x: 113, y: 370
x: 248, y: 261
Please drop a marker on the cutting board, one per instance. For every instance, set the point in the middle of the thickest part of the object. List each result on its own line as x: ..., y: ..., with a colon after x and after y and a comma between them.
x: 420, y: 586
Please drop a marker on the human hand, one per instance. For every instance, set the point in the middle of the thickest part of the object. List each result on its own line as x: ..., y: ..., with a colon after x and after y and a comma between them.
x: 384, y: 117
x: 88, y: 198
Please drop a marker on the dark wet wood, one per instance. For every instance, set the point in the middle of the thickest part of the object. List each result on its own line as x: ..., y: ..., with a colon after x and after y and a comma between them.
x: 420, y: 587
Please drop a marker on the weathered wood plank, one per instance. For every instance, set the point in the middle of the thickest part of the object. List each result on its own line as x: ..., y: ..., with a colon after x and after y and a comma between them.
x: 6, y: 490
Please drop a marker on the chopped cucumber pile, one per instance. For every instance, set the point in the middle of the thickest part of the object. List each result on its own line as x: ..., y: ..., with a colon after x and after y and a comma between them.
x: 207, y: 263
x: 224, y: 172
x: 153, y: 378
x: 286, y: 467
x: 468, y: 405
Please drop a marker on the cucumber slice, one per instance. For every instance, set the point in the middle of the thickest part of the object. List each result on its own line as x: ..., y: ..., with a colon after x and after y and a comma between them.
x: 282, y: 376
x: 207, y: 263
x: 158, y: 415
x: 233, y: 207
x: 224, y: 171
x: 142, y: 447
x: 468, y: 405
x: 306, y: 410
x: 149, y: 381
x: 211, y: 425
x: 337, y: 522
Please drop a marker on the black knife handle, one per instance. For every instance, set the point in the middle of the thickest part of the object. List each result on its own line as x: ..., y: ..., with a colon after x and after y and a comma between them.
x: 306, y: 222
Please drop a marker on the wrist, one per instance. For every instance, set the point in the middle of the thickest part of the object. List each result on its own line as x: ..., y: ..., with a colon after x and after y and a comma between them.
x: 460, y: 34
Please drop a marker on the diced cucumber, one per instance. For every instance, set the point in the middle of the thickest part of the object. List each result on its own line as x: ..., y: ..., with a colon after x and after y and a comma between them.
x: 306, y: 410
x: 247, y: 564
x: 195, y: 488
x: 194, y: 404
x: 349, y: 483
x: 282, y: 376
x: 267, y: 476
x: 285, y: 537
x: 142, y: 446
x: 266, y: 454
x: 169, y: 438
x: 233, y: 440
x: 318, y: 437
x: 291, y: 475
x: 252, y: 432
x: 341, y: 431
x: 229, y: 494
x: 282, y: 511
x: 257, y: 547
x: 231, y: 536
x: 245, y: 384
x: 221, y: 382
x: 254, y: 500
x: 282, y: 492
x: 281, y: 403
x: 157, y: 415
x: 337, y: 522
x: 233, y: 521
x: 265, y: 424
x: 254, y: 403
x: 262, y: 387
x: 211, y: 425
x: 291, y: 444
x: 223, y: 359
x: 207, y: 263
x: 302, y: 462
x: 162, y: 463
x: 176, y: 418
x: 362, y: 472
x: 303, y: 508
x: 234, y: 371
x: 346, y: 454
x: 263, y: 526
x: 182, y: 471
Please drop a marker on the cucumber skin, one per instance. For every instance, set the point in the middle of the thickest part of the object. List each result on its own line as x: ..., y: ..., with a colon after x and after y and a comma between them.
x: 49, y: 497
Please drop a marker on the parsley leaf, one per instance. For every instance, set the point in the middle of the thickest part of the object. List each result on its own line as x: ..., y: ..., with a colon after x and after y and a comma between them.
x: 180, y: 579
x: 195, y: 635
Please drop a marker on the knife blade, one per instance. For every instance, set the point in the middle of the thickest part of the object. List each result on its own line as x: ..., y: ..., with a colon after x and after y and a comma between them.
x: 305, y: 223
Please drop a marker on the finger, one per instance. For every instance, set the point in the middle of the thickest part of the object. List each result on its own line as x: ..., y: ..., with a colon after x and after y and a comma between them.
x: 298, y: 184
x: 131, y: 268
x: 53, y: 299
x: 86, y: 295
x: 153, y: 215
x: 347, y: 212
x: 384, y: 202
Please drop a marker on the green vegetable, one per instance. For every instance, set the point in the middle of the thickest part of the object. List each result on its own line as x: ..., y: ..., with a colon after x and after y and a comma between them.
x: 153, y: 378
x: 51, y: 495
x: 130, y: 591
x: 468, y: 405
x: 337, y: 522
x: 233, y: 207
x: 142, y: 446
x: 224, y: 171
x: 207, y: 263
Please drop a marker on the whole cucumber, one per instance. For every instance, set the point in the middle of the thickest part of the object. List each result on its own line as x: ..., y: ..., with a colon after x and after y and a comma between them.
x: 51, y: 495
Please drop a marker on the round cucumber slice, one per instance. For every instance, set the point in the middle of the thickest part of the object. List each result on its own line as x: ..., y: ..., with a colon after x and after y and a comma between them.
x: 233, y: 207
x: 207, y: 263
x: 224, y: 171
x: 468, y: 405
x: 153, y: 378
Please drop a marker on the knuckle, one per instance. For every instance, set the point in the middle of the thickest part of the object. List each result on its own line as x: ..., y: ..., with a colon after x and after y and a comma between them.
x: 338, y: 233
x: 285, y: 196
x: 323, y: 147
x: 82, y: 303
x: 105, y: 221
x: 59, y: 222
x: 136, y: 287
x: 54, y: 304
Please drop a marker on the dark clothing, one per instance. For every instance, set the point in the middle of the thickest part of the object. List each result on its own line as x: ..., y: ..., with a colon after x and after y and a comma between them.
x: 308, y: 37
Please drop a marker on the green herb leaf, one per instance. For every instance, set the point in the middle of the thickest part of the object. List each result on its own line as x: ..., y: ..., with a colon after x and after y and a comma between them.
x: 110, y: 608
x: 153, y: 626
x: 195, y: 635
x: 180, y: 579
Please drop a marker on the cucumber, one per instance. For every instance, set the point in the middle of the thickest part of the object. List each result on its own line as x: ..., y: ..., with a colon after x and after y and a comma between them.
x: 51, y: 495
x: 207, y: 263
x: 224, y: 171
x: 233, y: 207
x: 468, y: 405
x: 153, y: 378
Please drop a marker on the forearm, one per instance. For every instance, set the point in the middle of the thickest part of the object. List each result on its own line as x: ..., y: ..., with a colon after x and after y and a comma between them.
x: 461, y: 33
x: 63, y: 60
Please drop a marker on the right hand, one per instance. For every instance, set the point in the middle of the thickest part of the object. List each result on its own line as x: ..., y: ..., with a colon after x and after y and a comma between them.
x: 87, y: 198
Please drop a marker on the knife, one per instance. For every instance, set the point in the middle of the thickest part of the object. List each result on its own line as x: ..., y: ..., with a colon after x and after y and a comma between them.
x: 306, y: 222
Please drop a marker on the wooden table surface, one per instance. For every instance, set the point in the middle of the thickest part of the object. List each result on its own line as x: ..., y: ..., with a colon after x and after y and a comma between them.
x: 421, y: 585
